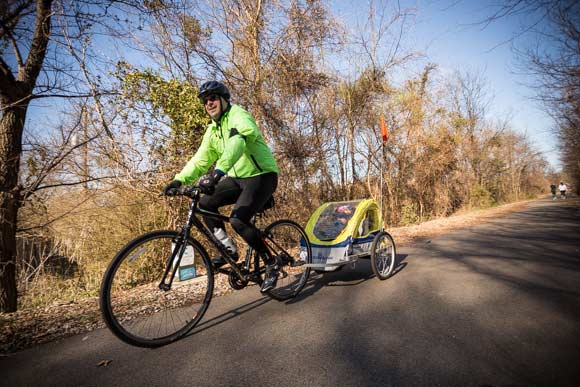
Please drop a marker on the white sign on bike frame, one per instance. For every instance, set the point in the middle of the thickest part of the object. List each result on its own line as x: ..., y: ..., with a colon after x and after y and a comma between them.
x: 187, y: 264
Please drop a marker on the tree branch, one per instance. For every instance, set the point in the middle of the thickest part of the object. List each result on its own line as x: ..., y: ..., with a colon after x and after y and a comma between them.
x: 39, y: 44
x: 55, y: 162
x: 7, y: 80
x: 68, y: 96
x: 28, y: 194
x: 12, y: 41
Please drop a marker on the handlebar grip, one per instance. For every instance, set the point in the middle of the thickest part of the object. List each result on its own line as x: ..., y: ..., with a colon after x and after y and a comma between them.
x: 190, y: 191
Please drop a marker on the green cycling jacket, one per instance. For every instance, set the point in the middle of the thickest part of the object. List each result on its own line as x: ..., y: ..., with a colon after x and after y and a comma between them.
x: 236, y: 144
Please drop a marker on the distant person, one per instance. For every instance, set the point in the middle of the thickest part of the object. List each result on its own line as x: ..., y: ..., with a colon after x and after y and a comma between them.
x: 562, y: 188
x: 553, y: 189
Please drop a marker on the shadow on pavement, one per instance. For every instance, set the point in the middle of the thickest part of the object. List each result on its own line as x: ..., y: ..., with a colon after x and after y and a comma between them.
x: 345, y: 276
x: 207, y: 324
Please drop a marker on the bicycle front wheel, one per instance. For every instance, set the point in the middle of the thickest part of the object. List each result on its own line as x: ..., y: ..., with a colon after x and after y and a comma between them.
x: 290, y: 244
x: 134, y: 305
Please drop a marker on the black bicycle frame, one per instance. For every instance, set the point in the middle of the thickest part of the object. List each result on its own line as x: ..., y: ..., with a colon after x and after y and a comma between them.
x: 193, y: 221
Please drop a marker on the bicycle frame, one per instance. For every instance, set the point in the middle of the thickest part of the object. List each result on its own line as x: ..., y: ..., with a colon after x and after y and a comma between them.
x: 193, y: 221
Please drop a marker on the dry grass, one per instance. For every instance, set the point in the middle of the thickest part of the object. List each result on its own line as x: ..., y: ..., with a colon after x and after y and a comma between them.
x: 34, y: 325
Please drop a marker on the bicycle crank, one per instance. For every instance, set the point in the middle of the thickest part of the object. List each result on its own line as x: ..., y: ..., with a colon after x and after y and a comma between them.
x: 235, y: 282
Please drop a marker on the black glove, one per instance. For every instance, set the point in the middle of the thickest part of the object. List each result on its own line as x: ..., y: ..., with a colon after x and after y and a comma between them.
x: 171, y: 188
x: 208, y: 182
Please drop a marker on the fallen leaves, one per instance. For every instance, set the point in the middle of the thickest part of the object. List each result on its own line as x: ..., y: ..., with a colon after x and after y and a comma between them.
x: 104, y: 363
x: 29, y: 327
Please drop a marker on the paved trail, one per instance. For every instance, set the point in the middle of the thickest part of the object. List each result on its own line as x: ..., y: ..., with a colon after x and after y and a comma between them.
x: 492, y: 305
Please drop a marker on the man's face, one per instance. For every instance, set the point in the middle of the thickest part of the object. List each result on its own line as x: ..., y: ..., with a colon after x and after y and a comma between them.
x: 212, y: 104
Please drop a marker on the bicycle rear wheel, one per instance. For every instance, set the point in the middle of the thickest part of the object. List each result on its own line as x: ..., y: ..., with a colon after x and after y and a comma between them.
x: 134, y: 306
x: 290, y: 244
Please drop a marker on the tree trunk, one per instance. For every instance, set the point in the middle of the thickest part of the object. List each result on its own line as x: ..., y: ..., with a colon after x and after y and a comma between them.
x: 15, y: 93
x: 11, y: 126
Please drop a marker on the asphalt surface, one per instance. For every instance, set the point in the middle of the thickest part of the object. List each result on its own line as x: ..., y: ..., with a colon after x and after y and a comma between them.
x: 496, y: 304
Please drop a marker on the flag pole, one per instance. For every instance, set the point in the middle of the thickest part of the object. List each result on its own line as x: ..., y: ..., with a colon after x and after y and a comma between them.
x: 381, y: 173
x: 385, y: 137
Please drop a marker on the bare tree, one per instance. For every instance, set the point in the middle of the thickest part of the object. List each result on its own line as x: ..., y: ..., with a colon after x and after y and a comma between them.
x: 41, y: 64
x: 557, y: 74
x: 15, y: 93
x: 554, y: 60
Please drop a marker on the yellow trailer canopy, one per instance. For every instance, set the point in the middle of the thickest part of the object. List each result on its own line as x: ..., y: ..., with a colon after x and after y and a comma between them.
x: 339, y: 231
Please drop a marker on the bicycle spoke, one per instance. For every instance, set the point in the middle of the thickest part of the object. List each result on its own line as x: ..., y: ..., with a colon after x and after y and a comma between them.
x: 383, y: 255
x: 289, y: 242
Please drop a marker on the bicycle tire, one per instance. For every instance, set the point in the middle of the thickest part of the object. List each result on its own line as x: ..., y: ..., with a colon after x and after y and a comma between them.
x: 133, y: 305
x: 289, y: 242
x: 383, y: 255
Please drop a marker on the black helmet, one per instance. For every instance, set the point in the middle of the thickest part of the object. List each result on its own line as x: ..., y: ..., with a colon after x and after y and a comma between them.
x: 214, y: 87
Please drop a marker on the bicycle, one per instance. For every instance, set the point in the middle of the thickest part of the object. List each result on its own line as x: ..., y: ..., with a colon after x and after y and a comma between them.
x: 159, y: 285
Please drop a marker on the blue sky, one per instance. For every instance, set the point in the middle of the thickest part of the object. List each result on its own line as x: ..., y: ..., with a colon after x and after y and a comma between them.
x: 458, y: 44
x: 446, y: 31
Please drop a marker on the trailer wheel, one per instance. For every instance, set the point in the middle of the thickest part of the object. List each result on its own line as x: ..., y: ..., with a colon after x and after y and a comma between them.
x: 383, y: 255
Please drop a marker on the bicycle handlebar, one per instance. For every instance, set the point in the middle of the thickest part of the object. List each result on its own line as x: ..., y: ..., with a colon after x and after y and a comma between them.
x: 191, y: 191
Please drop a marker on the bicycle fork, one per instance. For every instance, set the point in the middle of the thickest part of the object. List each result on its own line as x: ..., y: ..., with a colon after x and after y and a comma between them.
x: 173, y: 263
x: 174, y: 260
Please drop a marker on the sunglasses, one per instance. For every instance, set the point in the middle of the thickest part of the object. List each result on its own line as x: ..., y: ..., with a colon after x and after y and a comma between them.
x: 209, y: 98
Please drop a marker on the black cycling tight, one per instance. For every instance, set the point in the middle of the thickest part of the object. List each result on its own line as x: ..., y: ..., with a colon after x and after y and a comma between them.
x: 249, y: 195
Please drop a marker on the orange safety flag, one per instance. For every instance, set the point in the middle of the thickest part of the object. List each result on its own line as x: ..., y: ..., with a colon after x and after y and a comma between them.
x: 384, y: 129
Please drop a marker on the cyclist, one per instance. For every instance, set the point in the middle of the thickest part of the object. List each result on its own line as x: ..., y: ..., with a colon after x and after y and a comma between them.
x: 245, y: 173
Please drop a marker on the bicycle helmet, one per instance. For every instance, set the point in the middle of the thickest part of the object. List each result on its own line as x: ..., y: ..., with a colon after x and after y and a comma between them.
x: 214, y: 87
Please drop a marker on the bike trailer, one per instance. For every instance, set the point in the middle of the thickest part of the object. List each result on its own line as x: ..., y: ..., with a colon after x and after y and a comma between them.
x: 342, y: 232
